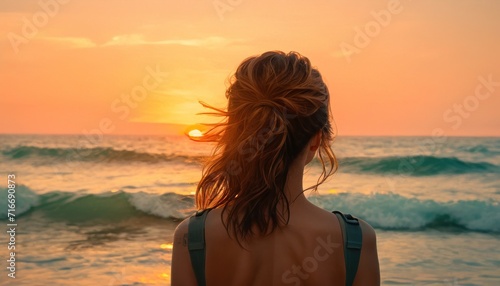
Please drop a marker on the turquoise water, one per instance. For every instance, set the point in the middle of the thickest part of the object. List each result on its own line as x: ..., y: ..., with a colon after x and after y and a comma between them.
x: 103, y: 213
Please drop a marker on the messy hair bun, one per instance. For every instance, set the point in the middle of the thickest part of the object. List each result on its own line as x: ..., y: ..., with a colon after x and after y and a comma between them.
x: 276, y: 103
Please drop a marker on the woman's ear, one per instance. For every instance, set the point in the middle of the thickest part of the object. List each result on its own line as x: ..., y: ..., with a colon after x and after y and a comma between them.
x: 315, y: 142
x: 313, y: 146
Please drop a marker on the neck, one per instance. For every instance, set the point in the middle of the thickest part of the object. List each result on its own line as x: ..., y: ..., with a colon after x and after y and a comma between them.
x: 294, y: 183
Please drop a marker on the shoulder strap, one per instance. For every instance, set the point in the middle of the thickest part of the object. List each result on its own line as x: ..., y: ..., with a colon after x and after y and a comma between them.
x: 196, y: 244
x: 353, y: 238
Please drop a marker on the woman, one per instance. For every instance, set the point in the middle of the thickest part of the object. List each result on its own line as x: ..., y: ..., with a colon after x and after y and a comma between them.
x: 259, y: 228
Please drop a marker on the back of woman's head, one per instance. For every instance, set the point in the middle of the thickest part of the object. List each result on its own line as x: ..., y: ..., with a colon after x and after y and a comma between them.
x: 277, y: 102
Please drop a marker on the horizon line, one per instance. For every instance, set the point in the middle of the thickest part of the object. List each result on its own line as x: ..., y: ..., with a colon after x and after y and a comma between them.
x: 182, y: 134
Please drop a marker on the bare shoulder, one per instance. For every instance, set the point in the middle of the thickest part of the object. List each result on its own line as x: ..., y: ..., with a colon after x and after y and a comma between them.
x: 181, y: 271
x: 369, y: 235
x: 368, y: 269
x: 181, y: 231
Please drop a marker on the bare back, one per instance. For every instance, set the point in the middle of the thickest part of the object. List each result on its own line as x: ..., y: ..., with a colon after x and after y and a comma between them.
x: 308, y: 251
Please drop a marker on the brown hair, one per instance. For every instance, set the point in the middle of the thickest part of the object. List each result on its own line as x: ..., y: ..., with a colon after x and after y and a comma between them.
x: 276, y: 103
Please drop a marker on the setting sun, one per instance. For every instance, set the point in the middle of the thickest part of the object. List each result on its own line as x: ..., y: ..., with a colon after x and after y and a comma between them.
x: 195, y: 133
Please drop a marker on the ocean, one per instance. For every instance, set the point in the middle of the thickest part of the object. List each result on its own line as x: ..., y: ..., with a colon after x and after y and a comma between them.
x: 102, y: 210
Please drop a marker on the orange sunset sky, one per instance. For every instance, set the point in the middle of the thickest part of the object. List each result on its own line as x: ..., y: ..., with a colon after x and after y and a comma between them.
x: 140, y: 67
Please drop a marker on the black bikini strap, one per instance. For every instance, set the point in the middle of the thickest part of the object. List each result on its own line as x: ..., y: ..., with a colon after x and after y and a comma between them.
x: 353, y: 238
x: 196, y: 244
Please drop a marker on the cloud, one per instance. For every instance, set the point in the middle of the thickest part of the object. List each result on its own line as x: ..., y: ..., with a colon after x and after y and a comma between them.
x: 135, y: 39
x: 138, y: 40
